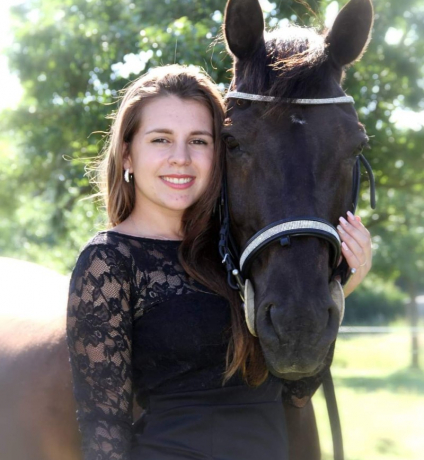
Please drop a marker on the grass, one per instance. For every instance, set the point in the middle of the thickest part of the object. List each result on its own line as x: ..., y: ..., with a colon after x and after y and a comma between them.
x: 380, y: 398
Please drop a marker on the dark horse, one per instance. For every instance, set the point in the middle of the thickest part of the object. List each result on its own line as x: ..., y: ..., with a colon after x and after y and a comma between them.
x: 284, y: 161
x: 293, y: 143
x: 289, y: 161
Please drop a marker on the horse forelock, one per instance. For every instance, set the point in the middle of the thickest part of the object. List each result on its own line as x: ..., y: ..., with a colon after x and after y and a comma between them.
x: 292, y: 64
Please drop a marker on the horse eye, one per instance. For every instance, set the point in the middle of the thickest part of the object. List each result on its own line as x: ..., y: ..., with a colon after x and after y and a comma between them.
x: 231, y: 142
x: 243, y: 103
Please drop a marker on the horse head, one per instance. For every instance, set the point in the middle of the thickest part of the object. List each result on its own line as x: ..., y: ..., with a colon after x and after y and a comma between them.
x: 292, y: 161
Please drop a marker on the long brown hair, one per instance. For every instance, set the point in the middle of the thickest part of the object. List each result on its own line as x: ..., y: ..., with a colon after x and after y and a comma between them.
x: 199, y: 249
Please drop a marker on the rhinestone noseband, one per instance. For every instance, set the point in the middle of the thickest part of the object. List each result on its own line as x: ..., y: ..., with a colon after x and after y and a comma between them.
x: 282, y: 231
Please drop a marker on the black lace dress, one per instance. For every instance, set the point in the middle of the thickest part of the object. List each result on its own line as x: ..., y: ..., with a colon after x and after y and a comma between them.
x: 138, y: 325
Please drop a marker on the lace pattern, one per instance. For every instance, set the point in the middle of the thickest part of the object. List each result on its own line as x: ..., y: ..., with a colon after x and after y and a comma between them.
x: 108, y: 292
x: 99, y: 330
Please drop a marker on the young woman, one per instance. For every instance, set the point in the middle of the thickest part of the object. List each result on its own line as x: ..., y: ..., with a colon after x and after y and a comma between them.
x: 138, y: 321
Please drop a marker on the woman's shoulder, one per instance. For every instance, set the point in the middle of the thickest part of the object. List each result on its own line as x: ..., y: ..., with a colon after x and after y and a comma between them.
x: 104, y: 241
x: 103, y: 249
x: 108, y: 238
x: 114, y: 241
x: 128, y: 250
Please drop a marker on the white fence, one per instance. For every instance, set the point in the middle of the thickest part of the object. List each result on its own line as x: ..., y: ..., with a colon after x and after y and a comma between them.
x: 379, y: 330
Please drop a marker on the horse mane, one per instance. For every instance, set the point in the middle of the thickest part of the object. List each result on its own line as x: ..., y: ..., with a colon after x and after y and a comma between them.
x: 290, y: 65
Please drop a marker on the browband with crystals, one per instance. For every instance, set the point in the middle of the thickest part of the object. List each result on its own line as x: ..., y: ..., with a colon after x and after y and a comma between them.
x: 292, y: 227
x: 259, y: 98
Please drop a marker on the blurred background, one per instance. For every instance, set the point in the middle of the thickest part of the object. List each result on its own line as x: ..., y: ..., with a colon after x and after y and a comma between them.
x: 62, y: 65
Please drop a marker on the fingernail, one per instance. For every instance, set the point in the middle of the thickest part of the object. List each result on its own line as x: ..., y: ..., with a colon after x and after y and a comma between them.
x: 343, y: 220
x: 350, y: 214
x: 340, y: 229
x: 345, y: 246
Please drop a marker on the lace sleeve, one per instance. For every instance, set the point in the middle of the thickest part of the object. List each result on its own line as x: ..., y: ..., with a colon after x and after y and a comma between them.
x: 99, y: 330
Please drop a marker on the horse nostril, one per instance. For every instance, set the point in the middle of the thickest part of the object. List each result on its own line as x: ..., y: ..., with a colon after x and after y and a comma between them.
x: 330, y: 315
x: 269, y: 307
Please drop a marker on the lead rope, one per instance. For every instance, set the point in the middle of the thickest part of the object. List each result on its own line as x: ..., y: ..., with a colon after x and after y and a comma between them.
x: 333, y: 415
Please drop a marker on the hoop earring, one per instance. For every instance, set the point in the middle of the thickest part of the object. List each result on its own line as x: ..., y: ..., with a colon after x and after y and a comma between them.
x: 127, y: 175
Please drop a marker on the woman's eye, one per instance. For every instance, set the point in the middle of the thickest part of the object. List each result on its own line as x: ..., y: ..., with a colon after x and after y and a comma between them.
x: 199, y: 142
x: 160, y: 140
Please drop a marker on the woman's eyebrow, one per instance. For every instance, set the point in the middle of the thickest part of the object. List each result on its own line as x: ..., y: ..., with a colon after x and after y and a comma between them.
x: 204, y: 133
x: 169, y: 131
x: 160, y: 130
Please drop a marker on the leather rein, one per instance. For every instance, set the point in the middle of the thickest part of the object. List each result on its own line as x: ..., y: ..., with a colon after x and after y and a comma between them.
x: 237, y: 262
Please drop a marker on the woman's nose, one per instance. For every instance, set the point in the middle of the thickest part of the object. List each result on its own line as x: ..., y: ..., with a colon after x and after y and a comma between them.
x: 180, y: 155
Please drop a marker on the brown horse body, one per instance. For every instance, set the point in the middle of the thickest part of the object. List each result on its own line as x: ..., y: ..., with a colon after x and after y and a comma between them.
x: 37, y: 420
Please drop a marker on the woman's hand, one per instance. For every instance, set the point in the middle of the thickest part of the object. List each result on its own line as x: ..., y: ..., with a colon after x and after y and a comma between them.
x: 356, y: 248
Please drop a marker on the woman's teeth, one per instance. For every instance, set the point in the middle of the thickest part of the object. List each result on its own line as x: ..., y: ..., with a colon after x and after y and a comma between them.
x: 174, y: 180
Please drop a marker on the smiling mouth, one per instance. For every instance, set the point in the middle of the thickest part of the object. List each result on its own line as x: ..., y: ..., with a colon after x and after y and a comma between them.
x: 178, y: 180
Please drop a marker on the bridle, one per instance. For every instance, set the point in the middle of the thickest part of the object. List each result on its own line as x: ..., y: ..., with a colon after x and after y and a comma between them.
x: 237, y: 264
x: 283, y: 231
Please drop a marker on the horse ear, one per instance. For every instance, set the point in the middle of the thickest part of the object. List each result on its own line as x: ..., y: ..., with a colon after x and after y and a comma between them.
x: 243, y: 27
x: 350, y: 34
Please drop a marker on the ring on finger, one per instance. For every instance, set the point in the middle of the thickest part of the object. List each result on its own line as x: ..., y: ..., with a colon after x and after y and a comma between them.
x: 363, y: 265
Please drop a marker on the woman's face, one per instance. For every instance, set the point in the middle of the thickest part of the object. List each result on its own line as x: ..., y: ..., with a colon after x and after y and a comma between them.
x: 171, y: 154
